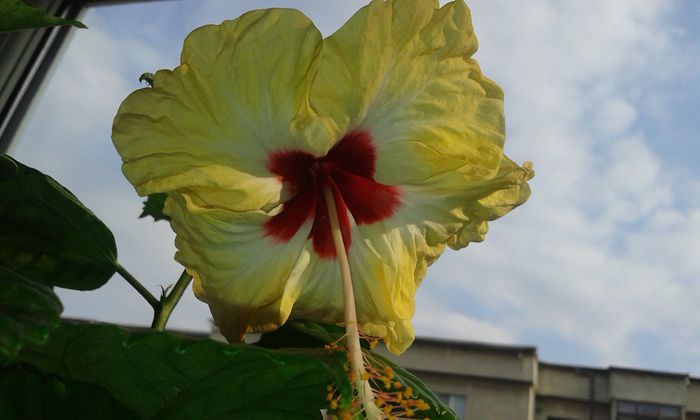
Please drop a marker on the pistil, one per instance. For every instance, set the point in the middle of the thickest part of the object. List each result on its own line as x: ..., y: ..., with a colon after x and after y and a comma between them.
x: 357, y: 368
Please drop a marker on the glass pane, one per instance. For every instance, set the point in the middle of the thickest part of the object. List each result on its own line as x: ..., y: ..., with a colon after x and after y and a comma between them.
x: 458, y: 403
x: 670, y: 411
x: 626, y: 407
x: 626, y: 417
x: 646, y: 408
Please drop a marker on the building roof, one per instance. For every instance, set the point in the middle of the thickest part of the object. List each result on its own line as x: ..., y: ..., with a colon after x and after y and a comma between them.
x: 477, y: 345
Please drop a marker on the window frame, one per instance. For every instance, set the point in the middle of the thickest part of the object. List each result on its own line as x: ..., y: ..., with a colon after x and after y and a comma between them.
x: 639, y: 410
x: 27, y: 58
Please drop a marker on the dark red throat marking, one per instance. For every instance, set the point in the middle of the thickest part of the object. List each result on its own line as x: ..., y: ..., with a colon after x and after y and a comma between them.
x: 348, y: 170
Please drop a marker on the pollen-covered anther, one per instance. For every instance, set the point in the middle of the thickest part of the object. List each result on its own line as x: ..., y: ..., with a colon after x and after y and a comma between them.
x: 394, y: 398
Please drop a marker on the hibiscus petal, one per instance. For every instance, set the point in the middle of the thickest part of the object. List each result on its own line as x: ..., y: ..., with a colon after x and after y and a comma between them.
x: 409, y: 141
x: 499, y: 196
x: 401, y: 70
x: 208, y: 126
x: 368, y: 201
x: 249, y: 281
x: 295, y: 212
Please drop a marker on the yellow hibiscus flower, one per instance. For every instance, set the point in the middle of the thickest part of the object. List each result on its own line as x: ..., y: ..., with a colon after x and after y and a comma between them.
x: 390, y: 114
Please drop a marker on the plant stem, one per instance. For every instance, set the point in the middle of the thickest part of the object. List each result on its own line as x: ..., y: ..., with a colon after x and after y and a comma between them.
x: 138, y: 286
x: 167, y: 304
x: 364, y: 391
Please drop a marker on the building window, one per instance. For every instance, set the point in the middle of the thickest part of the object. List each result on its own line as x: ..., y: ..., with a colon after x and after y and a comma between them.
x: 692, y: 416
x: 457, y: 402
x: 631, y: 410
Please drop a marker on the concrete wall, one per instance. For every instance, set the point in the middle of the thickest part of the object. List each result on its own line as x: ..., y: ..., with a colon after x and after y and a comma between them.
x: 649, y: 387
x: 694, y: 396
x: 486, y: 399
x: 564, y: 391
x: 456, y: 359
x: 573, y: 383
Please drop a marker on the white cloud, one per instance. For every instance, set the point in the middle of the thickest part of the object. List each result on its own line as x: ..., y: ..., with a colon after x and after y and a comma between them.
x: 433, y: 321
x: 603, y: 254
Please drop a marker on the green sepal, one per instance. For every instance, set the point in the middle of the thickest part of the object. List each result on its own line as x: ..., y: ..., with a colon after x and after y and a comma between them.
x: 153, y: 206
x: 301, y: 333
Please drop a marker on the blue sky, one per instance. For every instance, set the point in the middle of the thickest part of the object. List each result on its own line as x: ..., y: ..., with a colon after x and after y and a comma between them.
x: 602, y: 265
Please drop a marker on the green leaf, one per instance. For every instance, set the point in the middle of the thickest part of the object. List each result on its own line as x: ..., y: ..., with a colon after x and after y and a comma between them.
x: 28, y: 311
x: 48, y: 236
x: 153, y: 206
x: 158, y: 375
x: 8, y: 168
x: 16, y: 15
x: 26, y: 393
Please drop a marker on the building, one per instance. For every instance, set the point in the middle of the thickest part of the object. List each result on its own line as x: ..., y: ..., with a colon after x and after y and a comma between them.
x: 495, y: 382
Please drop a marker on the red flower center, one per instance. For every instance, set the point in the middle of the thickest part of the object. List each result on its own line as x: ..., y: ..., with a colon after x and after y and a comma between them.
x: 348, y: 171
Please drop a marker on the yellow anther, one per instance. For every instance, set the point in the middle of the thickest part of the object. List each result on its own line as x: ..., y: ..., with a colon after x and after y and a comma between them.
x: 389, y: 372
x: 397, y: 384
x: 334, y: 405
x: 329, y: 396
x: 373, y: 343
x: 408, y: 392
